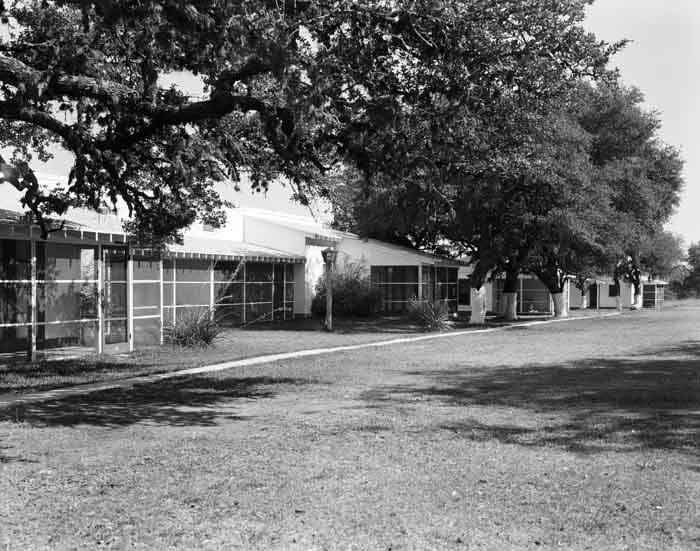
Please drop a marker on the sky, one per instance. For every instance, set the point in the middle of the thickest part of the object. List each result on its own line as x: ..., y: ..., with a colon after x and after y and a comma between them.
x: 662, y: 60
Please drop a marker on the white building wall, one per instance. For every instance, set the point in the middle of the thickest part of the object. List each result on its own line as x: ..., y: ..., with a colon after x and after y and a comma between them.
x: 574, y: 296
x: 266, y: 234
x: 375, y: 253
x: 313, y: 271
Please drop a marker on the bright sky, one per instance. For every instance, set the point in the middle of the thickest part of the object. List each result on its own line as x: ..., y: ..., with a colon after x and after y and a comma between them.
x: 662, y: 61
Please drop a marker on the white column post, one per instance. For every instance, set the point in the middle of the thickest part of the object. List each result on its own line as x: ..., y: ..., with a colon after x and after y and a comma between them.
x: 100, y: 300
x: 273, y: 293
x: 174, y: 290
x: 130, y: 297
x: 34, y: 298
x: 162, y: 296
x: 211, y: 290
x: 420, y: 282
x: 243, y: 314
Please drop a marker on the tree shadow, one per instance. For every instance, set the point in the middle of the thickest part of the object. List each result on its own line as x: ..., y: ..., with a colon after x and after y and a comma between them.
x: 183, y: 401
x: 5, y: 458
x: 591, y: 405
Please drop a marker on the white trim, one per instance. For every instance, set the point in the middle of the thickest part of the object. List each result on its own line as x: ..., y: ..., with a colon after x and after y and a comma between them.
x: 162, y: 309
x: 18, y: 324
x: 211, y: 289
x: 34, y: 299
x: 174, y: 291
x: 154, y: 316
x: 245, y: 273
x: 100, y: 300
x: 130, y: 300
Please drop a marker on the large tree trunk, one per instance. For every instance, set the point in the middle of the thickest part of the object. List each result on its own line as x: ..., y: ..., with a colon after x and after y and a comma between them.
x: 561, y: 306
x: 638, y: 299
x: 478, y: 302
x: 510, y: 296
x: 510, y: 306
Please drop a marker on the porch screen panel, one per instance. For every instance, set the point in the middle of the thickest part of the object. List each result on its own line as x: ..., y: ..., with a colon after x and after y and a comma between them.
x: 228, y: 292
x: 67, y: 298
x: 15, y: 295
x: 146, y: 286
x: 288, y: 291
x: 398, y: 284
x: 535, y: 296
x: 190, y: 292
x: 258, y: 291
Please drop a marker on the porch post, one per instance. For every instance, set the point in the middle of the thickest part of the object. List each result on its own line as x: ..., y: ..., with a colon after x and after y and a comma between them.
x: 100, y: 300
x: 211, y: 289
x: 34, y: 321
x: 420, y: 282
x: 130, y: 297
x: 162, y: 306
x: 174, y: 290
x: 245, y: 306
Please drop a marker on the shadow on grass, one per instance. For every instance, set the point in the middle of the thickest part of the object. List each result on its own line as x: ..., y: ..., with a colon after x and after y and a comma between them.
x: 5, y: 458
x: 186, y: 401
x: 342, y: 326
x: 607, y: 404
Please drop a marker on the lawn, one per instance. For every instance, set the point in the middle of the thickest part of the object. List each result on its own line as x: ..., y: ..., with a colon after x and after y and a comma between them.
x: 231, y: 344
x: 582, y: 435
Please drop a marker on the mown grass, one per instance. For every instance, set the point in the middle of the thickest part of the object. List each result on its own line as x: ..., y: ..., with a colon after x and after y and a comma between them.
x: 583, y: 435
x: 231, y: 344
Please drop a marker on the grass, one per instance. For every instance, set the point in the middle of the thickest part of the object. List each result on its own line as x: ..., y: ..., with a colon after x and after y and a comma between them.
x: 583, y: 435
x: 231, y: 344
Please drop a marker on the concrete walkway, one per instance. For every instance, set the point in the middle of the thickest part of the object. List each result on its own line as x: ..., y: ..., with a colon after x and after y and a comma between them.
x: 6, y: 401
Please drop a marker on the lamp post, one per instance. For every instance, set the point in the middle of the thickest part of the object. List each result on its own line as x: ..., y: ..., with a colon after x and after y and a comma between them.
x: 329, y: 256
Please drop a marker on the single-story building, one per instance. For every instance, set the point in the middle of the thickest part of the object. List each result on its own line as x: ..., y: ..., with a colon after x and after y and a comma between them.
x: 86, y: 288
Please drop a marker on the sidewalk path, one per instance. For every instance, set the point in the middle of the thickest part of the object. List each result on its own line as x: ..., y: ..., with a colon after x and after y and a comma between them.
x: 6, y: 401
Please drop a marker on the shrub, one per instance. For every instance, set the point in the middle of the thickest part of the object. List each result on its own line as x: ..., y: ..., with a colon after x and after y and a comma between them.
x: 431, y: 315
x: 195, y: 328
x: 353, y: 294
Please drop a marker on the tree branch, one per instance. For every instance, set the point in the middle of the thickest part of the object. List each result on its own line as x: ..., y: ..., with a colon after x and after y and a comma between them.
x: 15, y: 72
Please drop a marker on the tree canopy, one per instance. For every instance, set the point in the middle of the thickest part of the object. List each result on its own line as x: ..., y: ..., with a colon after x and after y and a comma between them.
x: 292, y: 88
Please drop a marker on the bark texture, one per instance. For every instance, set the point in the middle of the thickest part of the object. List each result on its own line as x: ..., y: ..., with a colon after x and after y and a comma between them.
x: 510, y: 306
x: 561, y: 308
x: 478, y: 300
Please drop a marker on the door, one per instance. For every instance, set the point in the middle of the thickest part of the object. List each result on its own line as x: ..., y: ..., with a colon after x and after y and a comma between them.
x: 115, y: 324
x: 593, y: 296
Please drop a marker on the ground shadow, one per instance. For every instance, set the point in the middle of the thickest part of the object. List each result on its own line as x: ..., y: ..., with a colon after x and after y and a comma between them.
x: 184, y: 401
x: 650, y: 401
x: 6, y: 458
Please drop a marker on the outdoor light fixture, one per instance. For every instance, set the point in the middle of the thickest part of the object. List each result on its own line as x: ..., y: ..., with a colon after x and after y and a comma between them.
x: 329, y: 255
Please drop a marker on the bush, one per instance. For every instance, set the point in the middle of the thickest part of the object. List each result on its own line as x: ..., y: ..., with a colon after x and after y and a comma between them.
x: 353, y: 294
x: 431, y: 315
x: 194, y: 328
